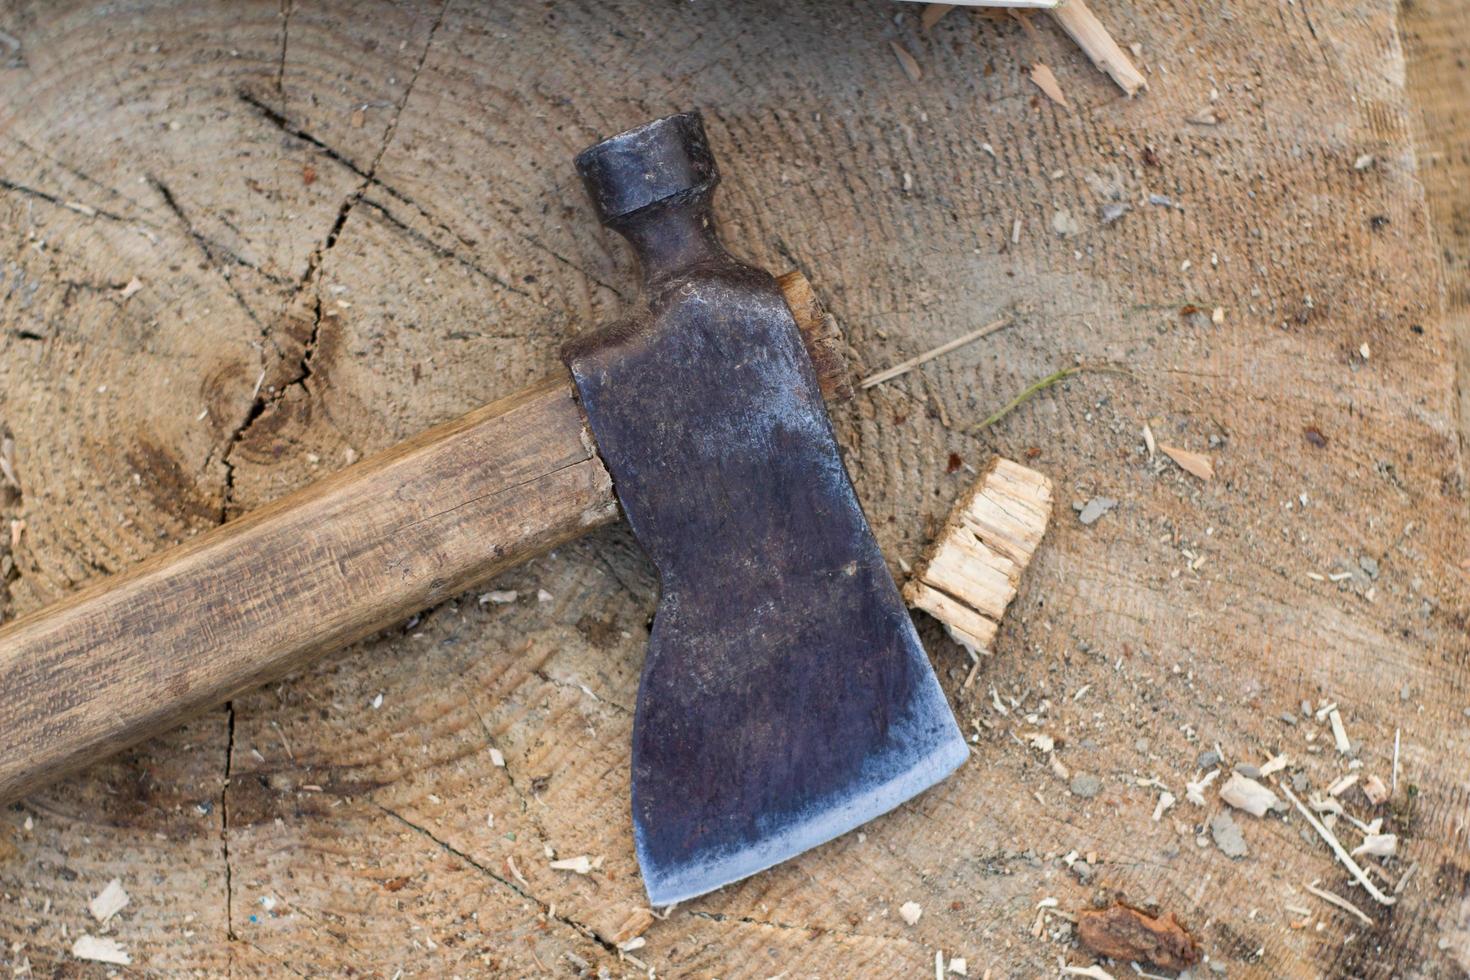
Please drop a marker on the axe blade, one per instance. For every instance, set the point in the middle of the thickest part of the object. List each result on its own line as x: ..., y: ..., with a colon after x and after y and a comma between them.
x: 754, y: 744
x: 785, y: 698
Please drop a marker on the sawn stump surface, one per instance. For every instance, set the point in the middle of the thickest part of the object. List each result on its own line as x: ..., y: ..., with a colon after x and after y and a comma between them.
x: 248, y: 243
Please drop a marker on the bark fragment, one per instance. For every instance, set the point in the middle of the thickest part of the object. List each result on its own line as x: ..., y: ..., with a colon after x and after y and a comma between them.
x: 1128, y: 935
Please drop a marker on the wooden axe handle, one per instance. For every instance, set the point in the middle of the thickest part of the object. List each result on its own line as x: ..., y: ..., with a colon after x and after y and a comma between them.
x: 332, y: 563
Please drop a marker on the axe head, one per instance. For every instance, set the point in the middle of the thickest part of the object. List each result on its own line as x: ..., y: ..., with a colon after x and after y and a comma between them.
x: 785, y: 698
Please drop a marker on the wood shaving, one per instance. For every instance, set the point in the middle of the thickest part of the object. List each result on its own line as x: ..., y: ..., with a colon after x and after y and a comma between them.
x: 1195, y: 792
x: 1393, y: 785
x: 1042, y: 76
x: 100, y: 949
x: 1196, y: 464
x: 1398, y: 889
x: 109, y: 902
x: 1040, y: 742
x: 1274, y: 765
x: 1094, y: 971
x: 1166, y: 800
x: 1341, y: 852
x: 1340, y: 902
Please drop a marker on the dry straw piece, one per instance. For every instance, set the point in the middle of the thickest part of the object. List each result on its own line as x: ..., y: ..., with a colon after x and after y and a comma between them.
x: 970, y: 573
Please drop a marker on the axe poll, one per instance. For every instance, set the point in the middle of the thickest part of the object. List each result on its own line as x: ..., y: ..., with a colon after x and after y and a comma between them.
x: 785, y: 698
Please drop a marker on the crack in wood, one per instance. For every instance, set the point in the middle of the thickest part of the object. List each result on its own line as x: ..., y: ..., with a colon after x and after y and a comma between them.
x: 548, y: 909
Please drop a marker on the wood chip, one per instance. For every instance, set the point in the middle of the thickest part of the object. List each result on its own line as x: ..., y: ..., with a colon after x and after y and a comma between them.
x: 1339, y: 733
x: 1087, y: 31
x: 1123, y: 933
x: 908, y: 62
x: 910, y: 912
x: 1047, y: 82
x: 1274, y: 765
x: 969, y: 575
x: 636, y: 924
x: 1166, y: 800
x: 1374, y: 790
x: 134, y: 285
x: 497, y: 758
x: 581, y: 864
x: 100, y: 949
x: 1377, y: 845
x: 933, y: 14
x: 1246, y: 794
x: 1094, y: 971
x: 1197, y: 464
x: 109, y: 902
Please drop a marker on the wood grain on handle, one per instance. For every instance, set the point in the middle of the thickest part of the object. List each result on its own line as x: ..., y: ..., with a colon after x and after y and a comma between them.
x: 133, y: 654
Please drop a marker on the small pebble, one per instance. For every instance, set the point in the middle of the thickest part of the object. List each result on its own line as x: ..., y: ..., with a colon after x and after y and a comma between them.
x: 1086, y: 785
x: 1094, y: 509
x: 1227, y: 835
x: 1208, y: 759
x: 1249, y: 772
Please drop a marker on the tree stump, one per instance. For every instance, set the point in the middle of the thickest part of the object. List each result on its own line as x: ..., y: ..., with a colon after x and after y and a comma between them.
x: 248, y: 243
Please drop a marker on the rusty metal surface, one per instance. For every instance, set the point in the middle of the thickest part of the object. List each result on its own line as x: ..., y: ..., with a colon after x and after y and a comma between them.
x: 785, y: 698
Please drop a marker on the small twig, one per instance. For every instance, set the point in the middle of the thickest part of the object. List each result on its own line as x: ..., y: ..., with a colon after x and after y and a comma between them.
x: 1342, y: 855
x: 1340, y: 902
x: 929, y: 355
x: 1034, y: 387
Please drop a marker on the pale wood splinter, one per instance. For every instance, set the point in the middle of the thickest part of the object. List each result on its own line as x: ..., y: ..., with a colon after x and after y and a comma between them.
x: 969, y: 575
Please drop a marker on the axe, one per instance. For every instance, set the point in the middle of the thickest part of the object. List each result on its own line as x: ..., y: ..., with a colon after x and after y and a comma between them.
x: 785, y: 698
